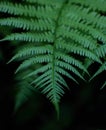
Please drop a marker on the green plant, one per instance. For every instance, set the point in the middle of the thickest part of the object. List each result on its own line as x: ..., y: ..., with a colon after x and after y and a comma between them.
x: 57, y: 39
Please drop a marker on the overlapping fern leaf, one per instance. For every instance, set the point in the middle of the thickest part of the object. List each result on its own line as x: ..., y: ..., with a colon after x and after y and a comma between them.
x: 101, y: 52
x: 58, y: 36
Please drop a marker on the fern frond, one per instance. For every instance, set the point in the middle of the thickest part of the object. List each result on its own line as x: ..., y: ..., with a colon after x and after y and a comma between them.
x: 42, y: 76
x: 49, y: 85
x: 79, y: 13
x: 103, y: 85
x: 99, y: 5
x: 27, y: 10
x: 23, y: 91
x: 60, y: 36
x: 100, y: 70
x: 65, y: 73
x: 22, y: 95
x: 29, y: 51
x: 33, y: 61
x: 44, y: 80
x: 61, y: 80
x: 71, y: 60
x: 68, y: 67
x: 26, y: 24
x: 89, y: 30
x: 76, y: 36
x: 78, y: 50
x: 101, y: 51
x: 39, y: 70
x: 31, y: 37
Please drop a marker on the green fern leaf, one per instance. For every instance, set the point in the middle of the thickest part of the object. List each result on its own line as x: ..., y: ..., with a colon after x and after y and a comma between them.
x: 31, y: 37
x: 57, y: 38
x: 88, y: 30
x: 26, y: 24
x: 103, y: 85
x: 30, y: 51
x: 33, y: 61
x: 68, y: 67
x: 100, y: 70
x: 101, y: 51
x: 79, y: 13
x: 27, y: 10
x: 78, y: 50
x: 100, y: 4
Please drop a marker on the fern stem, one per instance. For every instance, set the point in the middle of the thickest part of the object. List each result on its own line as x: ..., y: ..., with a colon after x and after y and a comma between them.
x: 56, y: 103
